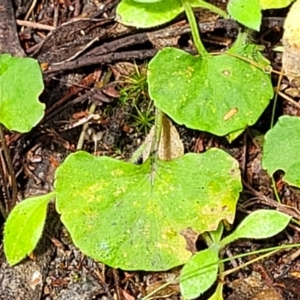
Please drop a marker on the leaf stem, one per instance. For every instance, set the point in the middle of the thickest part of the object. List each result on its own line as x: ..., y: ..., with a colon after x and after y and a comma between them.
x: 194, y: 28
x: 159, y: 115
x: 158, y: 128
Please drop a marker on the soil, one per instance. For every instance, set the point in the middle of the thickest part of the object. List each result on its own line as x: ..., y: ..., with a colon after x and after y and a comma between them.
x: 92, y: 69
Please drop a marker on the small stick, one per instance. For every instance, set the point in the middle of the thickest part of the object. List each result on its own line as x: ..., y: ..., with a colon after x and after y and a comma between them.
x: 35, y: 25
x: 10, y: 168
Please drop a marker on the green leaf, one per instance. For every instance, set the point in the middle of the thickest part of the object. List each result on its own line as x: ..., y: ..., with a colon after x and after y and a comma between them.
x: 246, y: 12
x: 199, y: 273
x: 218, y: 94
x: 24, y: 227
x: 151, y: 13
x: 21, y: 83
x: 268, y: 4
x: 281, y: 149
x: 116, y: 215
x: 260, y: 224
x: 144, y: 15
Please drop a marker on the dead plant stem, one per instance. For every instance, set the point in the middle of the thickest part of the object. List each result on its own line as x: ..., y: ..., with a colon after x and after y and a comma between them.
x: 10, y: 168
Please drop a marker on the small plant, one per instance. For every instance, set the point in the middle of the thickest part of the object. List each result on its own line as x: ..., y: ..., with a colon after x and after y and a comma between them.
x: 143, y: 119
x: 134, y: 86
x: 134, y: 92
x: 133, y: 216
x: 20, y: 109
x: 201, y: 271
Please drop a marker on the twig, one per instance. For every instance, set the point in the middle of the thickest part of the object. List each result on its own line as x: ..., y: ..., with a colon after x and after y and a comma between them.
x: 3, y: 172
x: 30, y: 10
x: 287, y: 98
x: 10, y: 168
x: 4, y: 183
x: 35, y: 25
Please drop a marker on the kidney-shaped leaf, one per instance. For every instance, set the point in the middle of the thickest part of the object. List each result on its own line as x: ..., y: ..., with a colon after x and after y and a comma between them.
x: 199, y: 273
x: 281, y: 149
x: 144, y: 15
x: 116, y: 214
x: 151, y: 13
x: 218, y: 94
x: 24, y: 227
x: 21, y: 83
x: 260, y: 224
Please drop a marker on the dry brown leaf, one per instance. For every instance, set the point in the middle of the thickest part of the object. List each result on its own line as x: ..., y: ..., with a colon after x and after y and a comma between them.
x: 170, y: 146
x: 291, y: 42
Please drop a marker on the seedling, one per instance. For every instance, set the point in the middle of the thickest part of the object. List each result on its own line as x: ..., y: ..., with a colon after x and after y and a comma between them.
x: 134, y: 92
x: 201, y: 271
x: 143, y: 120
x: 134, y: 86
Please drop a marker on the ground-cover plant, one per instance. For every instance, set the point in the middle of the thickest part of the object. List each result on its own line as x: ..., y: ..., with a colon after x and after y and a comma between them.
x: 281, y: 150
x: 125, y: 215
x: 134, y: 216
x: 143, y: 118
x: 133, y: 86
x: 196, y: 277
x: 20, y: 109
x: 134, y: 92
x: 248, y: 13
x: 203, y: 92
